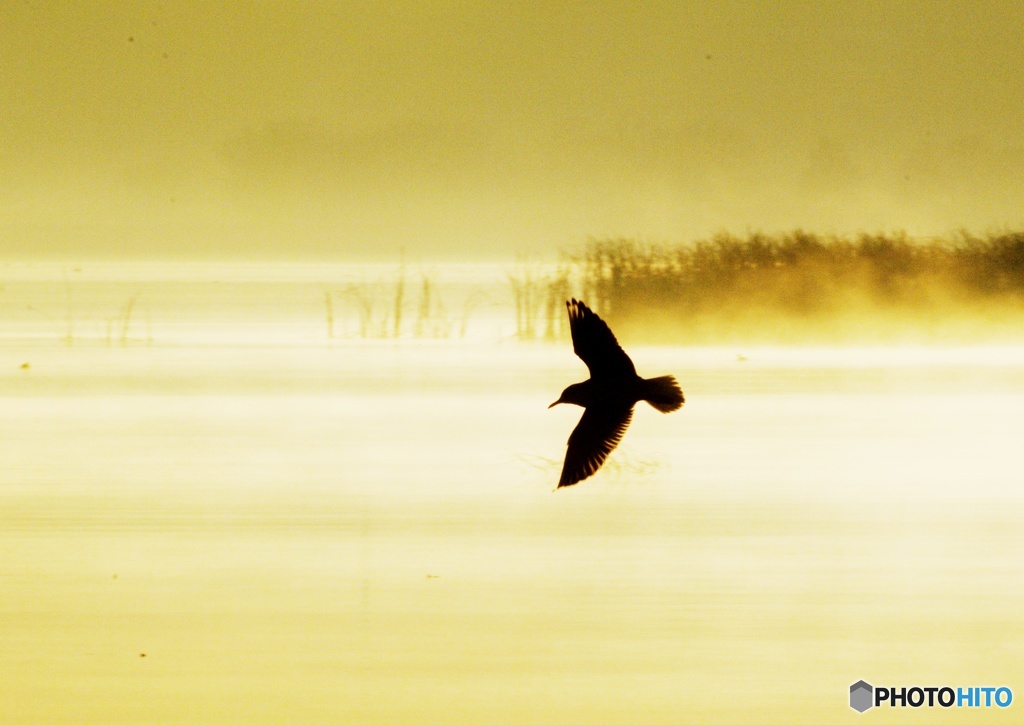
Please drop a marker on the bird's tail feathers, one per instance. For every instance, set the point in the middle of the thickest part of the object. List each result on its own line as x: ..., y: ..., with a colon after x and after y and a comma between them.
x: 663, y: 393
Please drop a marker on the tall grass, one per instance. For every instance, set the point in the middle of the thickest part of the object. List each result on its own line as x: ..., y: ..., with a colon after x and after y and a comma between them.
x: 380, y: 308
x: 538, y: 294
x: 807, y: 287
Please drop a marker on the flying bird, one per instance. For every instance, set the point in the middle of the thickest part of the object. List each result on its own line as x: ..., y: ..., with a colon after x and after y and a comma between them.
x: 607, y: 397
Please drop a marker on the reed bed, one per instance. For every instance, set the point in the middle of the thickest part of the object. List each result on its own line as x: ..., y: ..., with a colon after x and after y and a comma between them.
x: 803, y: 287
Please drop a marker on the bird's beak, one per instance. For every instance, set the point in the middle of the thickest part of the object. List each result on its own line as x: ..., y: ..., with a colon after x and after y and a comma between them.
x: 554, y: 404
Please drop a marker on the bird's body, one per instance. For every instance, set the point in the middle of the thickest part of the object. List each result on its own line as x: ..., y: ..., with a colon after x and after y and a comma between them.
x: 607, y: 397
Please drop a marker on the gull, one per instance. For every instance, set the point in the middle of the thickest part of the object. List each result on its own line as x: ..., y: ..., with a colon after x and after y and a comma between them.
x: 607, y: 397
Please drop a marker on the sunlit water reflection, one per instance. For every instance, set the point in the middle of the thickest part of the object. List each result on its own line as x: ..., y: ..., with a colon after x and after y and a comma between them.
x: 348, y: 530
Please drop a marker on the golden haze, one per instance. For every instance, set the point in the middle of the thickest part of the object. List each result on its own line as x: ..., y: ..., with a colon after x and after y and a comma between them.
x: 264, y: 459
x: 462, y: 129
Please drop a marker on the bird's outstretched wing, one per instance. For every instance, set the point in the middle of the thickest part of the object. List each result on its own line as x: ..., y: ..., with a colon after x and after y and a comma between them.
x: 595, y: 436
x: 595, y: 344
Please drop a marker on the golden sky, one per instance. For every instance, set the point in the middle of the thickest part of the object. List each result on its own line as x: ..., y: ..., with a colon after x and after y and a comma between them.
x: 359, y: 129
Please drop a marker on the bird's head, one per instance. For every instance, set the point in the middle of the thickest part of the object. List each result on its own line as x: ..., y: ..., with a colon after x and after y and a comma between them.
x: 575, y: 394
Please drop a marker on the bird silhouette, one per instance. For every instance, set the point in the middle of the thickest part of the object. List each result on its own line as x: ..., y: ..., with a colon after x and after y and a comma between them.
x: 607, y: 397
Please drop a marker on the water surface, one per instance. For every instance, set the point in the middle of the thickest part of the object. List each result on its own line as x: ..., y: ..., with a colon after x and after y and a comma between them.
x: 270, y: 526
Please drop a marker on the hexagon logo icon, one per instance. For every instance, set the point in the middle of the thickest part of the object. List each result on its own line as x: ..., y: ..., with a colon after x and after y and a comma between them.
x: 862, y: 696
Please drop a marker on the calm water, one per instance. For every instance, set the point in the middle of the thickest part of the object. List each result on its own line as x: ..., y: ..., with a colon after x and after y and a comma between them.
x: 274, y: 526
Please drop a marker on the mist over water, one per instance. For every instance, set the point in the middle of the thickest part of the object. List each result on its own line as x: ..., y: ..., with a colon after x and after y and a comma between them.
x: 275, y: 446
x: 220, y: 510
